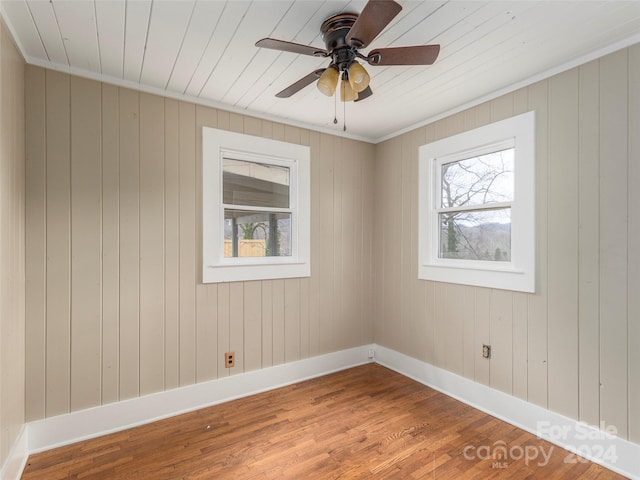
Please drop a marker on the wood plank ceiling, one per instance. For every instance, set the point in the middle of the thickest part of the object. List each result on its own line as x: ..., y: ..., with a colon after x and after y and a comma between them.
x: 203, y: 51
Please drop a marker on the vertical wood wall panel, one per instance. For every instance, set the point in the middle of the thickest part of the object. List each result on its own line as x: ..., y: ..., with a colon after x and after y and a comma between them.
x: 129, y: 344
x: 304, y: 318
x: 393, y: 247
x: 345, y: 264
x: 277, y: 321
x: 12, y: 242
x: 416, y: 296
x: 430, y: 308
x: 58, y: 235
x: 314, y: 280
x: 403, y: 244
x: 537, y: 336
x: 267, y: 323
x: 36, y: 243
x: 352, y: 253
x: 110, y: 243
x: 223, y: 316
x: 440, y: 324
x: 188, y: 242
x: 454, y: 328
x: 208, y: 337
x: 292, y: 319
x: 206, y: 341
x: 368, y: 239
x: 563, y: 241
x: 520, y: 352
x: 172, y: 244
x: 468, y: 341
x: 252, y: 326
x: 236, y: 325
x: 613, y: 240
x: 325, y: 239
x: 337, y: 290
x: 152, y: 203
x: 633, y: 287
x: 482, y: 329
x: 588, y: 245
x: 86, y: 241
x: 380, y: 319
x: 501, y: 328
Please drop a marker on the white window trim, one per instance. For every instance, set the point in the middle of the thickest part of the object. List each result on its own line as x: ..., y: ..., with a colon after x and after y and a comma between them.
x: 519, y: 273
x: 215, y: 267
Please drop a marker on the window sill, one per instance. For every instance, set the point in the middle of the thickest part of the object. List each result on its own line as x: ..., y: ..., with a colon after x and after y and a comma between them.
x: 504, y: 279
x: 255, y: 271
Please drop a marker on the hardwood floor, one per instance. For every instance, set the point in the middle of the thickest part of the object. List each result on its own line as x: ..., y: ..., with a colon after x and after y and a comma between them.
x: 366, y: 422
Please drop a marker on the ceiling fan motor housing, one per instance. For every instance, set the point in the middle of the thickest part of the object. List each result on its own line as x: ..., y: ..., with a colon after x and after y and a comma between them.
x: 334, y: 33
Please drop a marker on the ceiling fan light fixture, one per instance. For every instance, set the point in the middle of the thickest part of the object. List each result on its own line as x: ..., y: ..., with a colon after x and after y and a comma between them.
x: 347, y: 94
x: 358, y: 77
x: 328, y: 81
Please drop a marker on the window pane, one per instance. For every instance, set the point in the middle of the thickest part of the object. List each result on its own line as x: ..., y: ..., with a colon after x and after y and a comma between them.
x: 478, y: 180
x: 255, y: 184
x: 476, y: 235
x: 257, y: 234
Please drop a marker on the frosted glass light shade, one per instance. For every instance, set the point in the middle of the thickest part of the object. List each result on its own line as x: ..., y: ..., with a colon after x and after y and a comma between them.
x: 347, y: 94
x: 358, y: 77
x: 328, y: 81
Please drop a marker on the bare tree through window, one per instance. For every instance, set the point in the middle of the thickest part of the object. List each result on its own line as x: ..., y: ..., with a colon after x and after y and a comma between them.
x: 475, y: 207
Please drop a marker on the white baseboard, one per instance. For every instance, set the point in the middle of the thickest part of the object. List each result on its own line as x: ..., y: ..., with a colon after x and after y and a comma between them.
x: 17, y: 459
x: 589, y: 442
x: 576, y: 437
x: 93, y: 422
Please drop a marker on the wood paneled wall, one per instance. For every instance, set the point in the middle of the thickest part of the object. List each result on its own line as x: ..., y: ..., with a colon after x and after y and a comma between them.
x: 12, y: 247
x: 114, y: 304
x: 115, y: 307
x: 574, y: 345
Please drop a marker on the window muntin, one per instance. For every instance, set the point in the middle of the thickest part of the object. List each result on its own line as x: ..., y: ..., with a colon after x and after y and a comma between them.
x: 476, y: 213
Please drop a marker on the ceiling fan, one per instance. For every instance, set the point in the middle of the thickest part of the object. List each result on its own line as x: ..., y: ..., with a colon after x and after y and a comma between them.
x: 344, y: 35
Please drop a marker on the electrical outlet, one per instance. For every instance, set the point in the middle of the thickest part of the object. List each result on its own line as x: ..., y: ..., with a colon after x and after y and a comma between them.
x: 372, y: 353
x: 486, y: 351
x: 229, y: 359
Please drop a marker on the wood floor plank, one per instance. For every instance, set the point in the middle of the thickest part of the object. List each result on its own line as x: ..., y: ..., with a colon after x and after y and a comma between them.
x: 366, y: 422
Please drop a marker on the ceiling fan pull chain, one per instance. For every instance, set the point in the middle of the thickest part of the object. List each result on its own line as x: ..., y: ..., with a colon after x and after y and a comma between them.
x: 344, y: 116
x: 335, y: 109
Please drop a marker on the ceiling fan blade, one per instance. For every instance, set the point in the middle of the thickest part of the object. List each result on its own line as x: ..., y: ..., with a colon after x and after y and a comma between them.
x: 366, y: 93
x: 292, y: 47
x: 416, y: 55
x: 374, y: 17
x: 300, y: 84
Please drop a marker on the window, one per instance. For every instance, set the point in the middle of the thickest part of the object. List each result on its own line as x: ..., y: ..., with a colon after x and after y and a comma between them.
x: 255, y: 208
x: 477, y: 221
